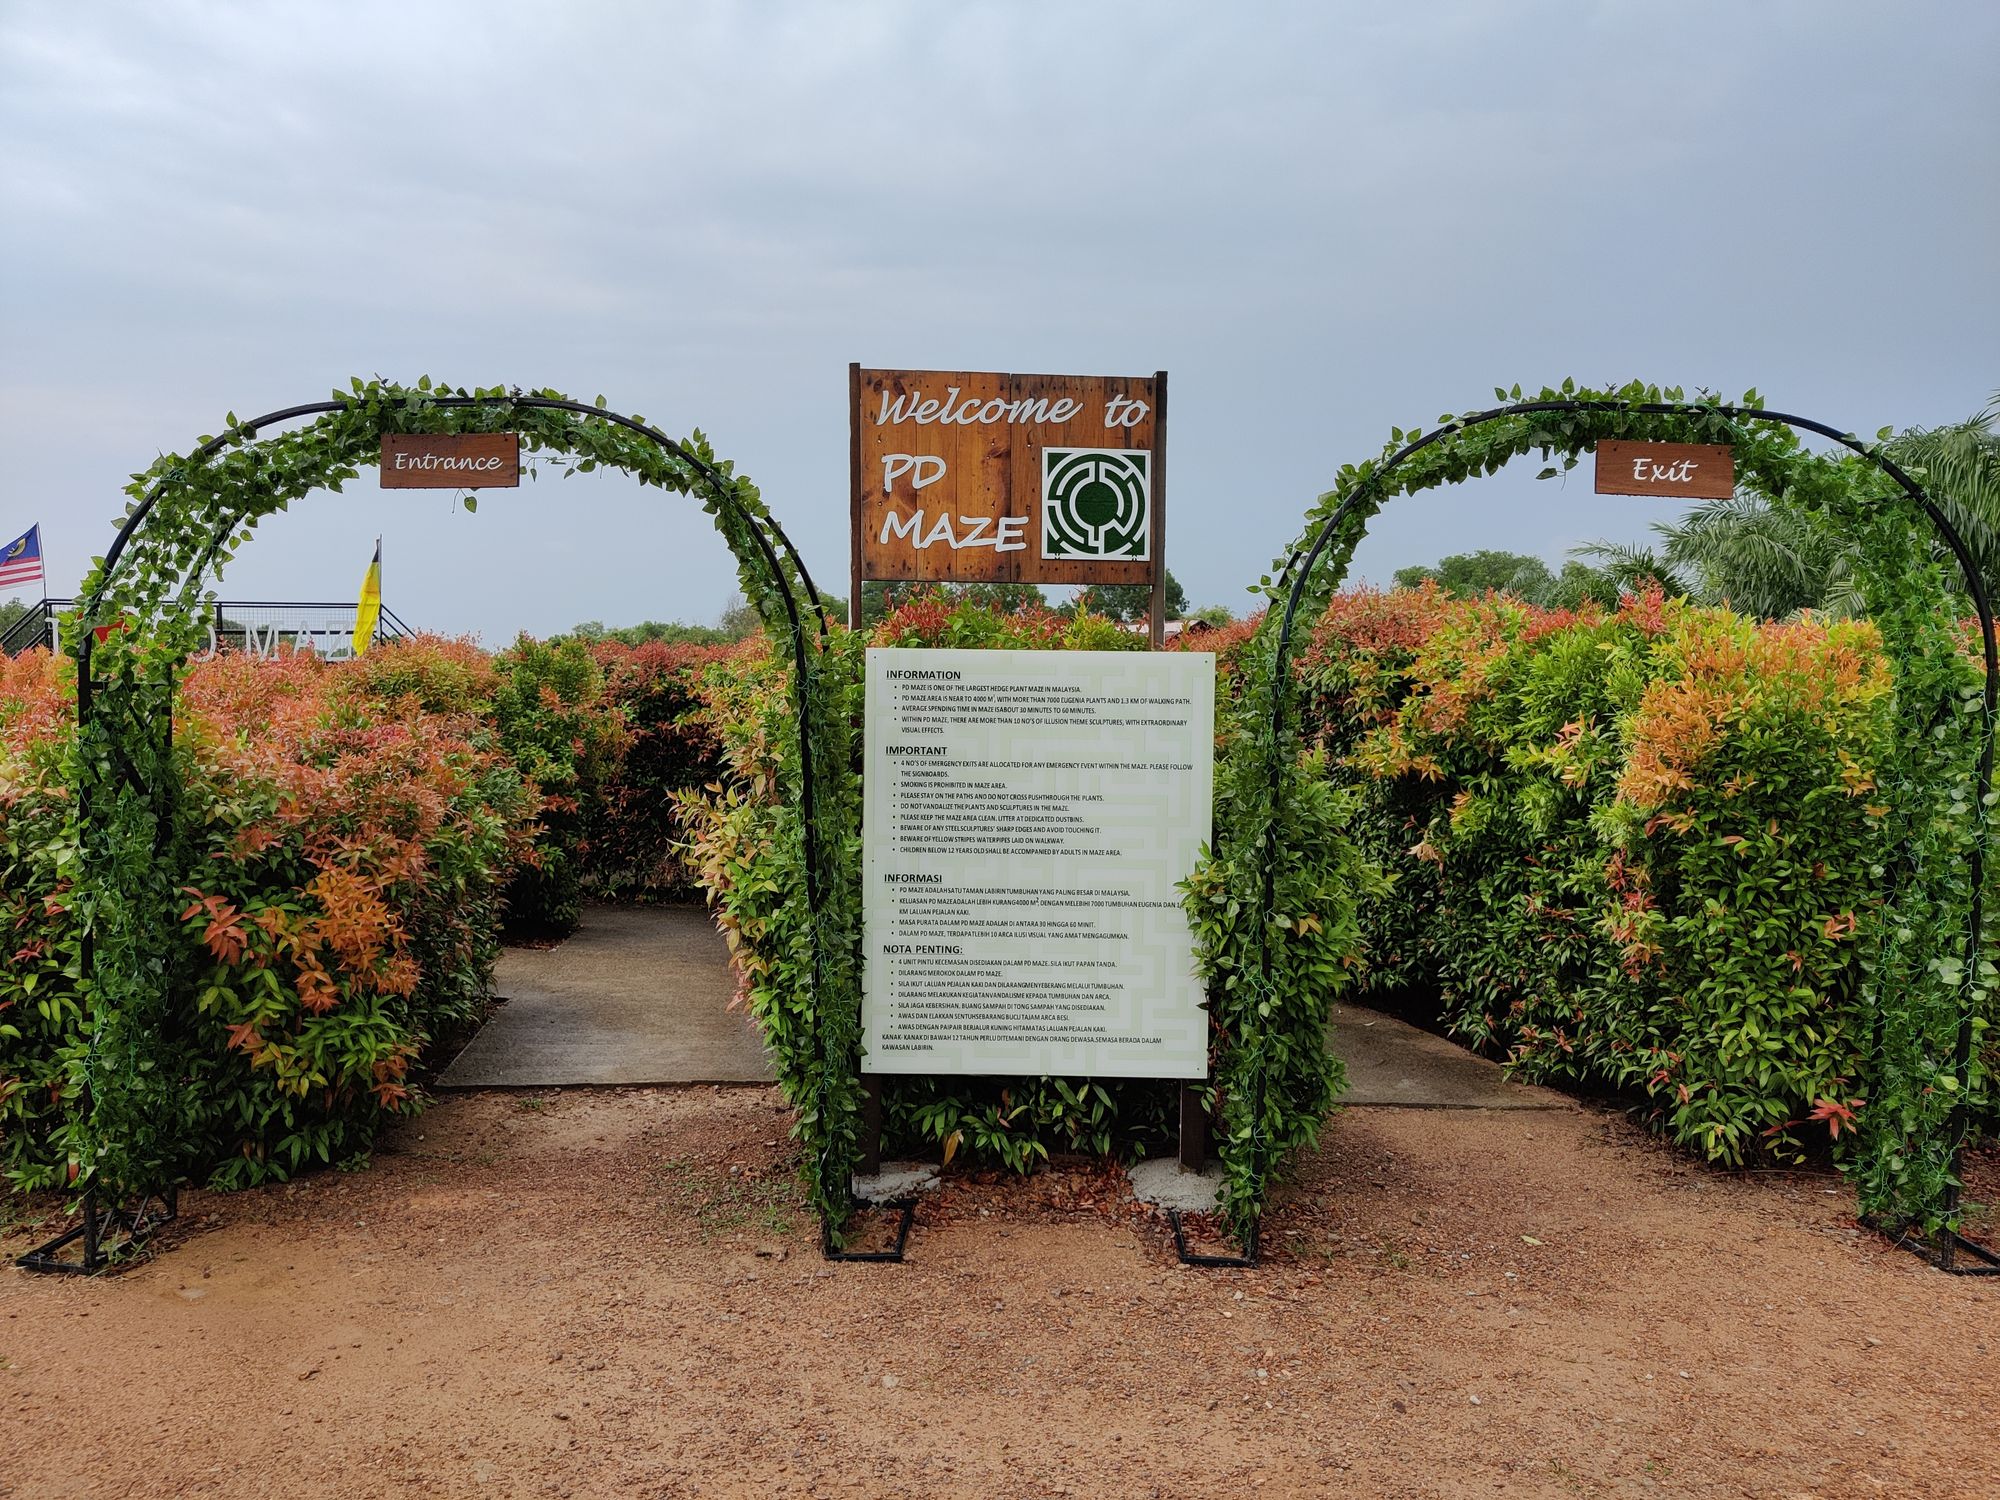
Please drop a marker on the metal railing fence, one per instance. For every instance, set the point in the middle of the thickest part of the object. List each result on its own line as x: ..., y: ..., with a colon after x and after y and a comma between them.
x: 262, y: 627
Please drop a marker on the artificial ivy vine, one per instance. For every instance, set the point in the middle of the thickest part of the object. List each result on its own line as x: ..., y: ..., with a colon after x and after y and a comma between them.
x: 142, y: 616
x: 1273, y: 904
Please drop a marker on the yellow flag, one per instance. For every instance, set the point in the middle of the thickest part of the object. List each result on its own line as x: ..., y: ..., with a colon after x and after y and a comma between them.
x: 369, y: 610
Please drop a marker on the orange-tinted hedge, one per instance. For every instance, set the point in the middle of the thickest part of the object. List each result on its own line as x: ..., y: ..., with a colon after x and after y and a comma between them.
x: 353, y: 831
x: 1638, y: 849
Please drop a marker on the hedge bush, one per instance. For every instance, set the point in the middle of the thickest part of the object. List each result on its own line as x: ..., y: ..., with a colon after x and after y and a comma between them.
x: 555, y: 722
x: 353, y: 825
x: 41, y: 1012
x: 633, y: 843
x: 1642, y: 849
x: 365, y: 827
x: 606, y: 732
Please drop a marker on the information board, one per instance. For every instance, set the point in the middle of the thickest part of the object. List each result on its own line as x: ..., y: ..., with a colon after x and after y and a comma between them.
x: 1028, y: 815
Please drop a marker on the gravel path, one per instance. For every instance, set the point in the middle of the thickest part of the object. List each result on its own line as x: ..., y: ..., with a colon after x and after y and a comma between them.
x: 616, y: 1293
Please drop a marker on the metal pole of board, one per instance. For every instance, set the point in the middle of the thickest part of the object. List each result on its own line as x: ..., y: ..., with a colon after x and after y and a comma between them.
x: 1194, y: 1117
x: 871, y: 1084
x: 1159, y: 548
x: 871, y: 1123
x: 1194, y: 1126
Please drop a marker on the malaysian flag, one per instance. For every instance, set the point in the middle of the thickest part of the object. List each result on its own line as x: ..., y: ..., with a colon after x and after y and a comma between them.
x: 21, y: 560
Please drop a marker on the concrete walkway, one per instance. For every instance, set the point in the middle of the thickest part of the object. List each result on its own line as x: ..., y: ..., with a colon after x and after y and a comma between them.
x: 638, y: 994
x: 1391, y: 1063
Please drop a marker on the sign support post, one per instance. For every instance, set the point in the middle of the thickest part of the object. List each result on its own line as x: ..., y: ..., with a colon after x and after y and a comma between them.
x: 1159, y: 548
x: 854, y: 518
x: 1194, y: 1126
x: 871, y: 1082
x: 870, y: 1125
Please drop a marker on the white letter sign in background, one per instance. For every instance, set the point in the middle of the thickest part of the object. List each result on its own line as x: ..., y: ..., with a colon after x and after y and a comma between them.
x: 1028, y: 815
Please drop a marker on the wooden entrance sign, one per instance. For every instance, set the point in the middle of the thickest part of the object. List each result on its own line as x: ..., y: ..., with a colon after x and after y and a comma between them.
x: 963, y: 476
x: 451, y: 461
x: 1686, y: 471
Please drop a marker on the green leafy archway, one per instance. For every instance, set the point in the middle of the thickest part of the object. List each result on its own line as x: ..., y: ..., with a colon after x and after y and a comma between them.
x: 1273, y: 905
x: 134, y: 1090
x: 1282, y: 850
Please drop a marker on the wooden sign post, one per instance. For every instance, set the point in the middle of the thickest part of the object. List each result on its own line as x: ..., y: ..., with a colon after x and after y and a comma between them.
x: 1685, y: 471
x: 959, y: 476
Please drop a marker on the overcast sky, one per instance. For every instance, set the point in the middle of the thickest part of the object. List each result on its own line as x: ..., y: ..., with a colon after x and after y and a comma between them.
x: 1323, y: 219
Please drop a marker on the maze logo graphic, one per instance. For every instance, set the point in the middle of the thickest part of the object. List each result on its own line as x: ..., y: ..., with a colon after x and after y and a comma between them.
x: 1096, y: 503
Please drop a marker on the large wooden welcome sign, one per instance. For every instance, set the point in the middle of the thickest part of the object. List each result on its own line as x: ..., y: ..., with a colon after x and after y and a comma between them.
x: 973, y: 477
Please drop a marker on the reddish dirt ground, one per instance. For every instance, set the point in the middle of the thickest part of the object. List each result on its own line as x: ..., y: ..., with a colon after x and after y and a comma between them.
x: 618, y: 1293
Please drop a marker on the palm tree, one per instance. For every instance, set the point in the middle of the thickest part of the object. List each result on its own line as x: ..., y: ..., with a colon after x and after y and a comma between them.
x: 1615, y: 568
x: 1762, y: 559
x: 1960, y: 466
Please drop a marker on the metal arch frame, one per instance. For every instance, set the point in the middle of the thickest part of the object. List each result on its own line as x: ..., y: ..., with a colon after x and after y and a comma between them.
x: 247, y: 431
x: 763, y: 528
x: 1944, y: 1252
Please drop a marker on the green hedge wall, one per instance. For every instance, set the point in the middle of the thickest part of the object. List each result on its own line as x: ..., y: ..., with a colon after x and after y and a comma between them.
x: 1642, y: 850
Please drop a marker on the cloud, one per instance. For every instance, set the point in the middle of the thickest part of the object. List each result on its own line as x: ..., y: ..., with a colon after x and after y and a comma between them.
x: 1324, y: 220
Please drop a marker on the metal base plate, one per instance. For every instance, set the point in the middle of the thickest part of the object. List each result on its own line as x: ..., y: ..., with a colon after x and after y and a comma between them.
x: 1196, y: 1258
x: 1947, y: 1250
x: 907, y: 1207
x: 106, y: 1236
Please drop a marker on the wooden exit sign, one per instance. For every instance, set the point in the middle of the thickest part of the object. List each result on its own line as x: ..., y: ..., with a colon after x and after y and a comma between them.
x: 451, y: 461
x: 1688, y: 471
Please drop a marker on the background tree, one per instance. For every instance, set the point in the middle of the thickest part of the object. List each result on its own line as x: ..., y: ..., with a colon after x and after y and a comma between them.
x: 1128, y: 602
x: 1580, y: 583
x: 737, y: 622
x: 879, y: 599
x: 1754, y: 557
x: 1960, y: 465
x: 1468, y: 575
x: 672, y: 632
